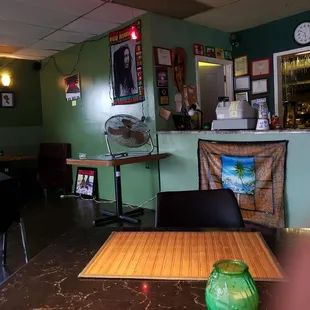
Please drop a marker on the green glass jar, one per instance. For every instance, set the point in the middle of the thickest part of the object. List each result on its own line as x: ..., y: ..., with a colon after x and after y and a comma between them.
x: 231, y: 286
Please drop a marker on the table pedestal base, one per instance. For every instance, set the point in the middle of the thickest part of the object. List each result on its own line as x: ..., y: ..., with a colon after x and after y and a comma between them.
x: 112, y: 217
x: 118, y: 215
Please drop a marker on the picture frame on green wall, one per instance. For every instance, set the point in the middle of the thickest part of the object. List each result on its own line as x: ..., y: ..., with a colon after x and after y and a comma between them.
x: 210, y: 51
x: 7, y: 100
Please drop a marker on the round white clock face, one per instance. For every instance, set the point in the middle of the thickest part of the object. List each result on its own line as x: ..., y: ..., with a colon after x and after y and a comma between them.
x: 302, y: 33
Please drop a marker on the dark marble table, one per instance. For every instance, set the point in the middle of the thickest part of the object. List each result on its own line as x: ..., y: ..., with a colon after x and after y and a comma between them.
x: 49, y: 280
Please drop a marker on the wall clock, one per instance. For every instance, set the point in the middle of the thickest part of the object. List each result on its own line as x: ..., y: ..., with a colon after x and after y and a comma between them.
x: 302, y: 33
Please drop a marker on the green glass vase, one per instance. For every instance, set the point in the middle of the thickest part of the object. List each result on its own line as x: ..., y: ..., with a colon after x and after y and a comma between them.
x: 231, y: 286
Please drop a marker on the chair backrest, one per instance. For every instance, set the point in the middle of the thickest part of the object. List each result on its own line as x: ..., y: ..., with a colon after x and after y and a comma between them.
x: 52, y: 156
x: 52, y: 165
x: 9, y: 203
x: 194, y: 209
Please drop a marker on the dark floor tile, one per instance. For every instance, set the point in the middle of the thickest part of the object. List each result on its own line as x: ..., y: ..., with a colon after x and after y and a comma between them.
x: 46, y: 220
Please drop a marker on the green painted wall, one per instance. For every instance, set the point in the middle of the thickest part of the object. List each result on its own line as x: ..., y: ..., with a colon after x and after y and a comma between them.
x: 170, y: 33
x: 21, y: 126
x: 26, y: 87
x: 82, y: 125
x: 180, y: 171
x: 265, y: 40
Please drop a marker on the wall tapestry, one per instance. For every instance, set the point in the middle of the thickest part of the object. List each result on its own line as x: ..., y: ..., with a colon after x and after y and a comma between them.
x: 72, y: 87
x: 255, y: 172
x: 126, y: 66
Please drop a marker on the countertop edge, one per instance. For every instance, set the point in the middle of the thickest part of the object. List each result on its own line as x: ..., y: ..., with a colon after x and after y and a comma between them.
x: 229, y: 132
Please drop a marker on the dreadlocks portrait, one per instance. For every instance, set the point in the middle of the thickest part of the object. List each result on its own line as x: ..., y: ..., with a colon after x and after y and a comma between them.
x: 124, y: 69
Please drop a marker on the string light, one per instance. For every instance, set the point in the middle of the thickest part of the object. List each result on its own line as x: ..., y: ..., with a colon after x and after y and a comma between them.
x: 134, y: 34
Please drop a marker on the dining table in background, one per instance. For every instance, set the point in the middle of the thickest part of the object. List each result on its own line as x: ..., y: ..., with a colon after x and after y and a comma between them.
x: 50, y: 280
x: 116, y: 162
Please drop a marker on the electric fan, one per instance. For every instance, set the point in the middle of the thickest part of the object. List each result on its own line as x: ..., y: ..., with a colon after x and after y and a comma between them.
x: 127, y: 131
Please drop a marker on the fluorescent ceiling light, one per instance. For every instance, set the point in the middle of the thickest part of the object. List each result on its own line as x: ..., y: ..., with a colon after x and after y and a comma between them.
x: 207, y: 64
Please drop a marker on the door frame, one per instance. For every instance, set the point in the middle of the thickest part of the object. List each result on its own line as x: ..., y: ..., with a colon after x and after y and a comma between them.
x: 228, y: 72
x: 277, y: 78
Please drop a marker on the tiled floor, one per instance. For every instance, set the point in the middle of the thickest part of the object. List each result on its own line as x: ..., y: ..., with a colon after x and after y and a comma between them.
x: 45, y: 221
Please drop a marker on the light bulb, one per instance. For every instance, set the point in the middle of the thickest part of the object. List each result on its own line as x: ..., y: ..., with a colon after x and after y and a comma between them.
x: 134, y: 35
x: 191, y: 112
x: 6, y: 80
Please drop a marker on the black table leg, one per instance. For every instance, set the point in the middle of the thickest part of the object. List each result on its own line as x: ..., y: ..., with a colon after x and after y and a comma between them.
x: 119, y: 214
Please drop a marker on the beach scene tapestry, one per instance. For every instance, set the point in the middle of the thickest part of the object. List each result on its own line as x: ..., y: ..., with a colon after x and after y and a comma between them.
x: 255, y: 172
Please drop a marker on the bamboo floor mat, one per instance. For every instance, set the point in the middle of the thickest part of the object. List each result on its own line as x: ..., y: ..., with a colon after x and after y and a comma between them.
x: 180, y: 255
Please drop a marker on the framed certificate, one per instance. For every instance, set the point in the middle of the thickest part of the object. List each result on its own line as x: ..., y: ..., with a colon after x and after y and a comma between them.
x: 259, y: 86
x: 241, y: 66
x: 242, y: 96
x: 162, y: 56
x: 260, y: 67
x: 242, y: 83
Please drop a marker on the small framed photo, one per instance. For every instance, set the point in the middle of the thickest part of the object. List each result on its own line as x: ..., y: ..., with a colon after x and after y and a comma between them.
x: 241, y: 67
x: 162, y: 56
x: 72, y: 87
x: 162, y: 76
x: 228, y: 55
x: 198, y: 49
x: 242, y: 96
x: 210, y: 51
x: 219, y: 53
x: 259, y: 86
x: 255, y: 102
x: 7, y: 100
x: 260, y: 67
x: 86, y: 183
x: 242, y: 83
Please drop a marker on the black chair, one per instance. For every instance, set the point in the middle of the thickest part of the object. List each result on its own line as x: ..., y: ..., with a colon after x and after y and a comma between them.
x: 9, y: 213
x: 194, y: 209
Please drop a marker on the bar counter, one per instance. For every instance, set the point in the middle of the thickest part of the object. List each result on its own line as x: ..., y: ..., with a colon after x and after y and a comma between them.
x: 50, y: 280
x: 180, y: 171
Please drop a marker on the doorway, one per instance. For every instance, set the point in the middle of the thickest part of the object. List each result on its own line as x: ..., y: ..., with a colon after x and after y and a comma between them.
x: 213, y: 79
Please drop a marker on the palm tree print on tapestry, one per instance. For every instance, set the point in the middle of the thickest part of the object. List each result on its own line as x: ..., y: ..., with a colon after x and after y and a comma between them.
x: 238, y: 174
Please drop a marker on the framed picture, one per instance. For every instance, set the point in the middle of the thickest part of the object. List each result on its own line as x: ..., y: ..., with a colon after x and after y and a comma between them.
x: 163, y: 96
x: 7, y: 100
x: 198, y: 49
x: 242, y: 83
x: 255, y: 102
x: 219, y: 53
x: 162, y: 77
x: 86, y: 183
x: 242, y: 96
x: 260, y: 67
x: 162, y: 56
x: 259, y: 86
x: 72, y: 87
x: 210, y: 51
x: 241, y: 67
x: 228, y: 55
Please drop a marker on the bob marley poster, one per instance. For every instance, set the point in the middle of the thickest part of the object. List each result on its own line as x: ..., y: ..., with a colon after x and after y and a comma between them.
x: 72, y: 87
x: 126, y: 66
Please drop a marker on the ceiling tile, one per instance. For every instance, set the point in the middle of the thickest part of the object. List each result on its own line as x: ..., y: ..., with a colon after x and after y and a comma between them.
x: 217, y: 3
x: 68, y: 36
x: 116, y: 13
x: 22, y: 41
x: 34, y: 52
x: 15, y: 29
x: 34, y: 15
x: 74, y: 7
x: 94, y: 27
x: 258, y: 13
x: 50, y: 45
